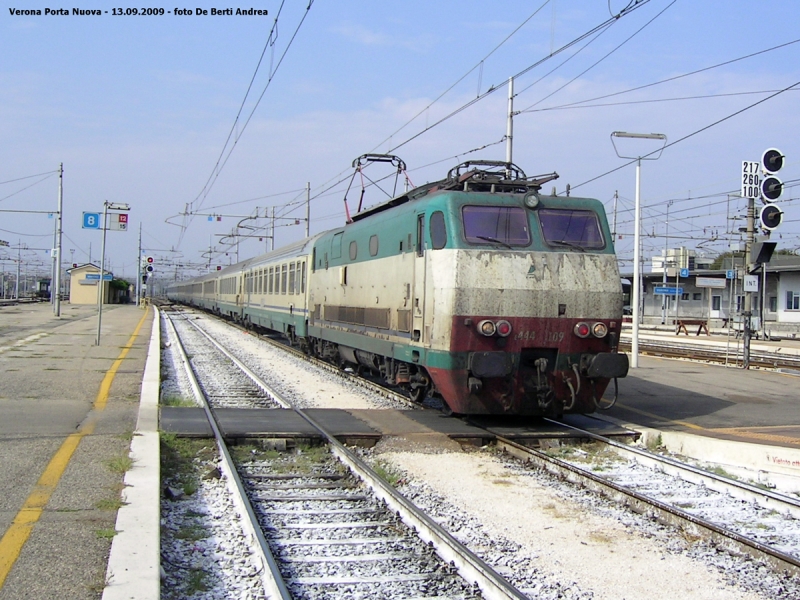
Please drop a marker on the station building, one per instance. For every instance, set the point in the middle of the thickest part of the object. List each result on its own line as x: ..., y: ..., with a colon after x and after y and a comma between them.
x: 717, y: 295
x: 84, y: 280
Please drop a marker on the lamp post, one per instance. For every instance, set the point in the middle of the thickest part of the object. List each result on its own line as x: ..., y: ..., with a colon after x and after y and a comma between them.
x: 664, y: 268
x: 637, y: 219
x: 101, y: 284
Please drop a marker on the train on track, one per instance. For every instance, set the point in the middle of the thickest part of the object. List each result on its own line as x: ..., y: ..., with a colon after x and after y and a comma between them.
x: 478, y: 289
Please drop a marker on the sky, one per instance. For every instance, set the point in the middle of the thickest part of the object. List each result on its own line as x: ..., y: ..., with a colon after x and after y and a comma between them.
x: 203, y: 122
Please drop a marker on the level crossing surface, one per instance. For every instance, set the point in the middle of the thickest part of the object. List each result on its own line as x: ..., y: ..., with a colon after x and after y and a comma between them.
x: 67, y: 411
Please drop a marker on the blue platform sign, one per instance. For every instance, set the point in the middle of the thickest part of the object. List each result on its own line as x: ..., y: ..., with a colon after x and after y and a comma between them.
x: 96, y: 277
x: 730, y: 274
x: 669, y: 291
x: 684, y: 272
x: 91, y: 220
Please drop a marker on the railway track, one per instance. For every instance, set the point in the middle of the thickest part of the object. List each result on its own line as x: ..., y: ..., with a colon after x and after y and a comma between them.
x: 751, y: 521
x: 327, y: 525
x: 741, y: 518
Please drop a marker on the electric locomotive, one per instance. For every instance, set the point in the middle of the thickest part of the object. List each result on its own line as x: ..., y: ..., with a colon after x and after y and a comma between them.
x: 478, y: 289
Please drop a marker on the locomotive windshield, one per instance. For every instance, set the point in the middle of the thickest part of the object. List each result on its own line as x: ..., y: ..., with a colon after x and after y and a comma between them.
x: 503, y: 225
x: 572, y: 228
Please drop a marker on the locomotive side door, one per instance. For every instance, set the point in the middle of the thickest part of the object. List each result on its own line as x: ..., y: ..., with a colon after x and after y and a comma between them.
x: 419, y: 333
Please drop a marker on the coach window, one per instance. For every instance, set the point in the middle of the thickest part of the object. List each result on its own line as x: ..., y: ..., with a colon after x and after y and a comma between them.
x: 291, y: 278
x: 303, y: 277
x: 373, y: 245
x: 438, y: 231
x: 283, y: 279
x: 353, y: 250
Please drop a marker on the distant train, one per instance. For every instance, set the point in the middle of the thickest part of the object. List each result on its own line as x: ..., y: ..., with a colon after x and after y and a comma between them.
x: 477, y: 289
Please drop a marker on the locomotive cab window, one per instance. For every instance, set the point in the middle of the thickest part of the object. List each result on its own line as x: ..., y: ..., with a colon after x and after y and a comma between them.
x: 571, y: 228
x: 505, y: 226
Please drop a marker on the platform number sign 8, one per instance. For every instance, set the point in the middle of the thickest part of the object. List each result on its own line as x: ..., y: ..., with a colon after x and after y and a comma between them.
x: 751, y: 179
x: 91, y: 220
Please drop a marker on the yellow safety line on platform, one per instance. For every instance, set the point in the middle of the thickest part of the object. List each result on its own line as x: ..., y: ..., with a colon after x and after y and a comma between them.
x: 734, y: 431
x: 660, y: 418
x: 766, y: 437
x: 20, y: 530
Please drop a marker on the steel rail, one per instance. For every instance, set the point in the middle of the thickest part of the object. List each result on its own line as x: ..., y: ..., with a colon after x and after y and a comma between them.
x: 471, y: 567
x: 703, y: 353
x: 729, y: 540
x: 738, y: 489
x: 271, y: 576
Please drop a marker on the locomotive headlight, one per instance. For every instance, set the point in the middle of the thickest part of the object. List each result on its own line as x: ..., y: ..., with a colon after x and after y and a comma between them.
x: 503, y: 328
x: 582, y: 330
x: 599, y: 330
x: 487, y: 328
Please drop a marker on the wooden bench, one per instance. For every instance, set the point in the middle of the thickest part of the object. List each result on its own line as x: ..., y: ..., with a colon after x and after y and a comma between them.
x: 702, y: 325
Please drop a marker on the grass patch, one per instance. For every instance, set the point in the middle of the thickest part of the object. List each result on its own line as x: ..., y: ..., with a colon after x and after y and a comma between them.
x: 110, y: 504
x: 192, y: 532
x: 197, y: 581
x: 722, y: 472
x: 120, y: 464
x: 248, y: 452
x: 654, y: 443
x: 106, y: 533
x: 388, y: 473
x: 173, y: 400
x: 177, y: 460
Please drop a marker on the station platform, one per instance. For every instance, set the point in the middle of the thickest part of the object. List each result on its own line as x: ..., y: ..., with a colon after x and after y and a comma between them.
x: 68, y: 408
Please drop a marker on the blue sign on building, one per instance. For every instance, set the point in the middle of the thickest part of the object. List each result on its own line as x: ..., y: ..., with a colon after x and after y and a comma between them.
x: 730, y: 274
x: 669, y: 291
x: 684, y: 272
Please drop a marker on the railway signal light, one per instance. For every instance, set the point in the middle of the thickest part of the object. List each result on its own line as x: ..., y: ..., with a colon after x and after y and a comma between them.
x: 772, y: 160
x: 771, y: 216
x: 771, y: 188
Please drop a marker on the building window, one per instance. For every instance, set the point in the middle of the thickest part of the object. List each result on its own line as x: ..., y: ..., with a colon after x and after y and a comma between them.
x: 716, y: 302
x: 697, y: 296
x: 684, y: 296
x: 792, y: 301
x: 773, y: 304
